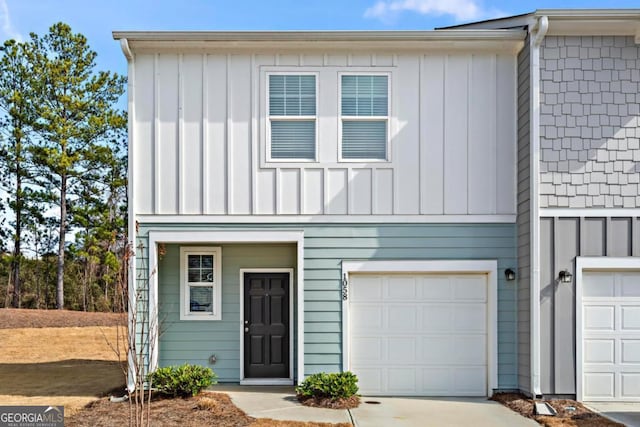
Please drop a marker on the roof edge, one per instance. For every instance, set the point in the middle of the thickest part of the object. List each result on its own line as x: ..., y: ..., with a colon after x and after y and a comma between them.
x: 315, y: 36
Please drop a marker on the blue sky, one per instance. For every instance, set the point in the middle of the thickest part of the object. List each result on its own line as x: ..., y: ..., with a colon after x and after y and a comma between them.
x: 97, y: 18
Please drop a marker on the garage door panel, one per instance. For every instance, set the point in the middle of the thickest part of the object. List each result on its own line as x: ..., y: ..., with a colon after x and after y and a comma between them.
x: 630, y: 385
x: 436, y: 350
x: 400, y: 288
x: 599, y: 351
x: 435, y: 288
x: 630, y: 351
x: 401, y: 349
x: 402, y: 380
x: 467, y: 380
x: 470, y: 317
x: 402, y: 318
x: 598, y: 285
x: 371, y: 292
x: 630, y: 285
x: 469, y: 350
x: 630, y: 316
x: 436, y: 318
x: 599, y: 385
x: 429, y: 337
x: 366, y: 349
x: 599, y: 317
x: 368, y: 318
x: 470, y: 288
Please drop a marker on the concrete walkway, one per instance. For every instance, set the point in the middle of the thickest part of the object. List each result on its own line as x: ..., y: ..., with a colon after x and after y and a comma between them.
x: 280, y: 403
x: 625, y: 413
x: 436, y: 411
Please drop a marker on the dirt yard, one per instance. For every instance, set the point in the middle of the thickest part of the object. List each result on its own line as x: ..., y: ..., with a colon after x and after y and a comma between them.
x: 63, y: 358
x: 578, y: 417
x: 57, y: 357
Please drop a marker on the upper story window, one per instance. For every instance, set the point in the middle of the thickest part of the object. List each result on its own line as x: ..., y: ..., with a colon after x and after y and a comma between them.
x: 364, y: 113
x: 200, y: 287
x: 292, y: 117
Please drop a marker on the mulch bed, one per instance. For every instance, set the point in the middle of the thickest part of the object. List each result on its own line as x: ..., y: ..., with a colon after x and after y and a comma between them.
x: 206, y: 409
x: 11, y: 318
x: 327, y: 402
x: 580, y: 417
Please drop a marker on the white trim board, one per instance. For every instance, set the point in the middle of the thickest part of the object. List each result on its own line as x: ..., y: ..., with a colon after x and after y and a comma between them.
x: 488, y: 267
x: 577, y: 213
x: 322, y: 219
x: 593, y: 264
x: 218, y: 237
x: 267, y: 381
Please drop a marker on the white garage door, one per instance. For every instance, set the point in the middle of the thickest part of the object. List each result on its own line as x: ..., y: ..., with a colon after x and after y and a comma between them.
x: 611, y: 336
x: 422, y: 335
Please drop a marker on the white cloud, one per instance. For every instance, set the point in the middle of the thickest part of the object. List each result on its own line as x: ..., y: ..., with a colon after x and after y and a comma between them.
x: 7, y: 31
x: 461, y: 10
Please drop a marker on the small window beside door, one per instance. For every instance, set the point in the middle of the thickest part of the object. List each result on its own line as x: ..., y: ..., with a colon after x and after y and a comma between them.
x: 200, y: 287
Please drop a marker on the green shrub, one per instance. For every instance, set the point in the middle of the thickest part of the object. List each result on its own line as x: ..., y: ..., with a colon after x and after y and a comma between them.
x: 185, y: 380
x: 334, y: 386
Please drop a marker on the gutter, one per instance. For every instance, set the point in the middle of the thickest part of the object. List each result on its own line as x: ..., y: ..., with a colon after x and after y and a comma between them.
x: 537, y: 32
x: 124, y: 45
x: 316, y: 36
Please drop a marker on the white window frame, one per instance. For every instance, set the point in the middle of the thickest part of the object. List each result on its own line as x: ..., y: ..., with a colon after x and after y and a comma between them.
x: 185, y: 304
x: 342, y: 118
x: 269, y: 118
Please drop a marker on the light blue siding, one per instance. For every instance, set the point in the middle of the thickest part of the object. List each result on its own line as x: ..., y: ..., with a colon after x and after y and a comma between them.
x: 195, y: 341
x: 325, y: 247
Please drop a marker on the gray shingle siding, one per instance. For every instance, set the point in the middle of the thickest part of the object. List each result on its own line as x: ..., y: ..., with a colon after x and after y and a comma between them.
x: 590, y: 122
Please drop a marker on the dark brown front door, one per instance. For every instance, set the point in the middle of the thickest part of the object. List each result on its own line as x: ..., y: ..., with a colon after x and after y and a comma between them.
x: 266, y: 325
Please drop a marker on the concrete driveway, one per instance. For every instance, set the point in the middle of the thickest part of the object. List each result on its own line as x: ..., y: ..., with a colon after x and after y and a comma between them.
x: 280, y: 403
x: 625, y: 413
x: 432, y: 411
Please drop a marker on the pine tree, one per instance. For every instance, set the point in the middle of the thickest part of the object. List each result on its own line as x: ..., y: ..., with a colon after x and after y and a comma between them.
x: 76, y: 118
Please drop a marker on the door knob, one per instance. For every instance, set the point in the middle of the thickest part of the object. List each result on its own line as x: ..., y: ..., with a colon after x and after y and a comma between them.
x: 246, y: 329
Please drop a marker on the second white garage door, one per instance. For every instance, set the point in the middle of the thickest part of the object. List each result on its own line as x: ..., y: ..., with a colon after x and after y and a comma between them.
x: 419, y: 334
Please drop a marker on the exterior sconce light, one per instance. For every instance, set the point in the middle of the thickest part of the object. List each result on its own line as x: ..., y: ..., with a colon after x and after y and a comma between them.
x: 509, y: 274
x: 565, y: 276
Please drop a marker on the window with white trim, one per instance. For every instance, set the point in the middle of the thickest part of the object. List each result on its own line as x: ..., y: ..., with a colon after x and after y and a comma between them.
x: 292, y: 117
x: 364, y: 117
x: 200, y: 283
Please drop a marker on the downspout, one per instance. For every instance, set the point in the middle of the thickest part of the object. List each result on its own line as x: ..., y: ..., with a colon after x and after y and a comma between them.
x: 124, y: 45
x: 537, y: 31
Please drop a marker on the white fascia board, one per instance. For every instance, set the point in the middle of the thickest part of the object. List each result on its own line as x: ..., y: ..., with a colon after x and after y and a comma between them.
x: 588, y: 212
x: 326, y: 219
x: 318, y: 36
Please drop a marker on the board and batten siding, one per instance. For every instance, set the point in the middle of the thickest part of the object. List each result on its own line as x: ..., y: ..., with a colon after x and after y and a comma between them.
x: 325, y: 247
x: 199, y: 128
x: 195, y: 341
x: 562, y: 239
x: 523, y: 221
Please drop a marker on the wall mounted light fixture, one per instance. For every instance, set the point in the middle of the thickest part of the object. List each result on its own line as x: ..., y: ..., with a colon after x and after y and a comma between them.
x: 565, y: 276
x: 509, y: 274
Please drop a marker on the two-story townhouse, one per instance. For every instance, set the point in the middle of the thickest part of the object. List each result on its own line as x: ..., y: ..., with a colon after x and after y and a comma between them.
x: 578, y: 203
x: 325, y: 201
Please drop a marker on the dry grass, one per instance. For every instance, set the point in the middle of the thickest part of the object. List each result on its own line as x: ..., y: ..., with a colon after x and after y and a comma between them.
x: 580, y: 417
x: 12, y: 318
x: 58, y: 366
